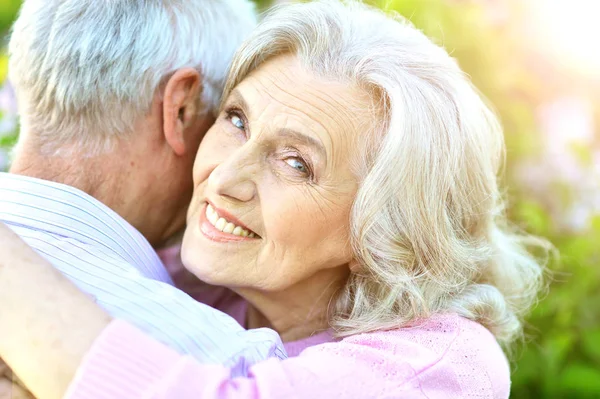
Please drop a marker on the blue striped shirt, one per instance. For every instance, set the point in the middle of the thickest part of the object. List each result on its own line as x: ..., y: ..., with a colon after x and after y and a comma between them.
x: 113, y: 263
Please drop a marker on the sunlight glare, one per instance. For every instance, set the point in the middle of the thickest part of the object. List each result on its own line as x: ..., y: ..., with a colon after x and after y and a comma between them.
x: 570, y: 31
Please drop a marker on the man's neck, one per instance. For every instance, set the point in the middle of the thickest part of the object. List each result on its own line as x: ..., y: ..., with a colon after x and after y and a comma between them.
x: 74, y: 172
x: 103, y: 177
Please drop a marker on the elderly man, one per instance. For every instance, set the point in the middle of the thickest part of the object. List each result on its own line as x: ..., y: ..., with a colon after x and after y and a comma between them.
x: 114, y: 98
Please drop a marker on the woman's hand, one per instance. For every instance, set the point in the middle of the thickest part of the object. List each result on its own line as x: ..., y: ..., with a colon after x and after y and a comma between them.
x: 47, y: 323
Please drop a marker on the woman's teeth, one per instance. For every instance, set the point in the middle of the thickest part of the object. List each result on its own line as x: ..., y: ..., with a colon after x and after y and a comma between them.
x: 224, y: 225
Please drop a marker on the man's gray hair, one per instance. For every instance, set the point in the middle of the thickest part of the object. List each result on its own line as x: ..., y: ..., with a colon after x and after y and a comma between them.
x: 87, y: 70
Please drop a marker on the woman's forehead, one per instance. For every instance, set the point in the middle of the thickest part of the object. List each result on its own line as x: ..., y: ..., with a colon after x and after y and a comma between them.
x: 282, y: 90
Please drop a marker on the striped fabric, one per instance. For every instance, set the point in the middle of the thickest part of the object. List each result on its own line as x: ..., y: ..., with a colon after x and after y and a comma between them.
x: 112, y: 262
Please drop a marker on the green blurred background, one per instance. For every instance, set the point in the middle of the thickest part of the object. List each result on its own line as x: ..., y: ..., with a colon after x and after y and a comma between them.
x: 538, y: 61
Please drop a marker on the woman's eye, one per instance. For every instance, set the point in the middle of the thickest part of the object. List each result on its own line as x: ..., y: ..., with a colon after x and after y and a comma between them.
x: 297, y: 164
x: 237, y: 121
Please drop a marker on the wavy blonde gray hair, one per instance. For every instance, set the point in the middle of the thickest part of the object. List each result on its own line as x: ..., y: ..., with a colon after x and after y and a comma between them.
x: 428, y: 225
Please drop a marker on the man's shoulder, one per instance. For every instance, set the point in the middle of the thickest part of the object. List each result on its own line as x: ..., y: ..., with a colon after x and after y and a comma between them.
x: 67, y: 252
x: 59, y: 220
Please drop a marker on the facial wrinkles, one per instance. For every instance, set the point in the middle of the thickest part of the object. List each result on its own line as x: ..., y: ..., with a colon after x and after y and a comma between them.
x: 283, y: 245
x: 273, y: 87
x: 333, y: 183
x: 274, y: 103
x: 339, y: 116
x: 272, y: 90
x: 290, y: 248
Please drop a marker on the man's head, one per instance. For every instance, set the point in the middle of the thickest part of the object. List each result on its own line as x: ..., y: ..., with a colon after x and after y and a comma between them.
x: 115, y: 96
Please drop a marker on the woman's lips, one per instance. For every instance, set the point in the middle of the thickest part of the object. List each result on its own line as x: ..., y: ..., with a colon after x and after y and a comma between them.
x: 215, y: 234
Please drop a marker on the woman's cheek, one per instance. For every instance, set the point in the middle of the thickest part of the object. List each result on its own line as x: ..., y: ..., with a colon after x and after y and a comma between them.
x: 213, y: 151
x: 290, y: 222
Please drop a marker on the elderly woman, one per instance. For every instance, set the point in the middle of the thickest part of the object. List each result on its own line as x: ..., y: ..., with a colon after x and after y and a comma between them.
x: 348, y: 192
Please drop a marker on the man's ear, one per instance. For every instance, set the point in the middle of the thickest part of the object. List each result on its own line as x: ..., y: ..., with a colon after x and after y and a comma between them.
x: 180, y: 107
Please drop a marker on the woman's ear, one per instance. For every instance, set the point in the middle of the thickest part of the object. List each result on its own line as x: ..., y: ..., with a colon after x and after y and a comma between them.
x: 180, y: 107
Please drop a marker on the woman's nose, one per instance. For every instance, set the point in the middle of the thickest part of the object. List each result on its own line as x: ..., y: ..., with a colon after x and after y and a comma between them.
x: 234, y: 179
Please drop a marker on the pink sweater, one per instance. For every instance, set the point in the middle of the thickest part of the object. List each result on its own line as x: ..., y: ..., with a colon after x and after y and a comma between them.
x: 445, y: 356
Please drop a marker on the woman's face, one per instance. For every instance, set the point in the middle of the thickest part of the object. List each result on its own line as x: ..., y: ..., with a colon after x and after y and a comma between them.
x: 273, y: 182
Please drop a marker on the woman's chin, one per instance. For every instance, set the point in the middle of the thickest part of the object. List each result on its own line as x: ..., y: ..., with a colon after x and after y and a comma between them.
x: 203, y: 260
x: 197, y: 264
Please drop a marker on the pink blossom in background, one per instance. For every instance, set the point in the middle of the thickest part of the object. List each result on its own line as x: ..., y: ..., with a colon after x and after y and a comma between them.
x: 8, y: 100
x: 8, y: 110
x: 565, y: 123
x: 8, y: 120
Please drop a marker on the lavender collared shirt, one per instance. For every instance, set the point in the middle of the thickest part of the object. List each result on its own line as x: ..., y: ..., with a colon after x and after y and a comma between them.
x: 111, y: 261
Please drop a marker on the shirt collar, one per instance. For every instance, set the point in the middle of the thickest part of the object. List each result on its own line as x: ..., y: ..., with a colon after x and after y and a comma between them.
x: 66, y: 211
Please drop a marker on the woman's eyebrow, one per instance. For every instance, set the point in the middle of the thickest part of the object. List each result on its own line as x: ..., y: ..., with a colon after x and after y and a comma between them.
x: 237, y: 98
x: 304, y: 139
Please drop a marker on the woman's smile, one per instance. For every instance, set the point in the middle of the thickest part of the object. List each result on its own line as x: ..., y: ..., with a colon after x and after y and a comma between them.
x: 218, y: 225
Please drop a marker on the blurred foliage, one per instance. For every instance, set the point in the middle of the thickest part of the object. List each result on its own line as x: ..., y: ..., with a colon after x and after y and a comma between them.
x: 561, y: 356
x: 8, y: 10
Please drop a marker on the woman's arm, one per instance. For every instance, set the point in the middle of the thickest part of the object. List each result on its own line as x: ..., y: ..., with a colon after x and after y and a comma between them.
x: 47, y: 323
x: 53, y: 335
x: 124, y: 362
